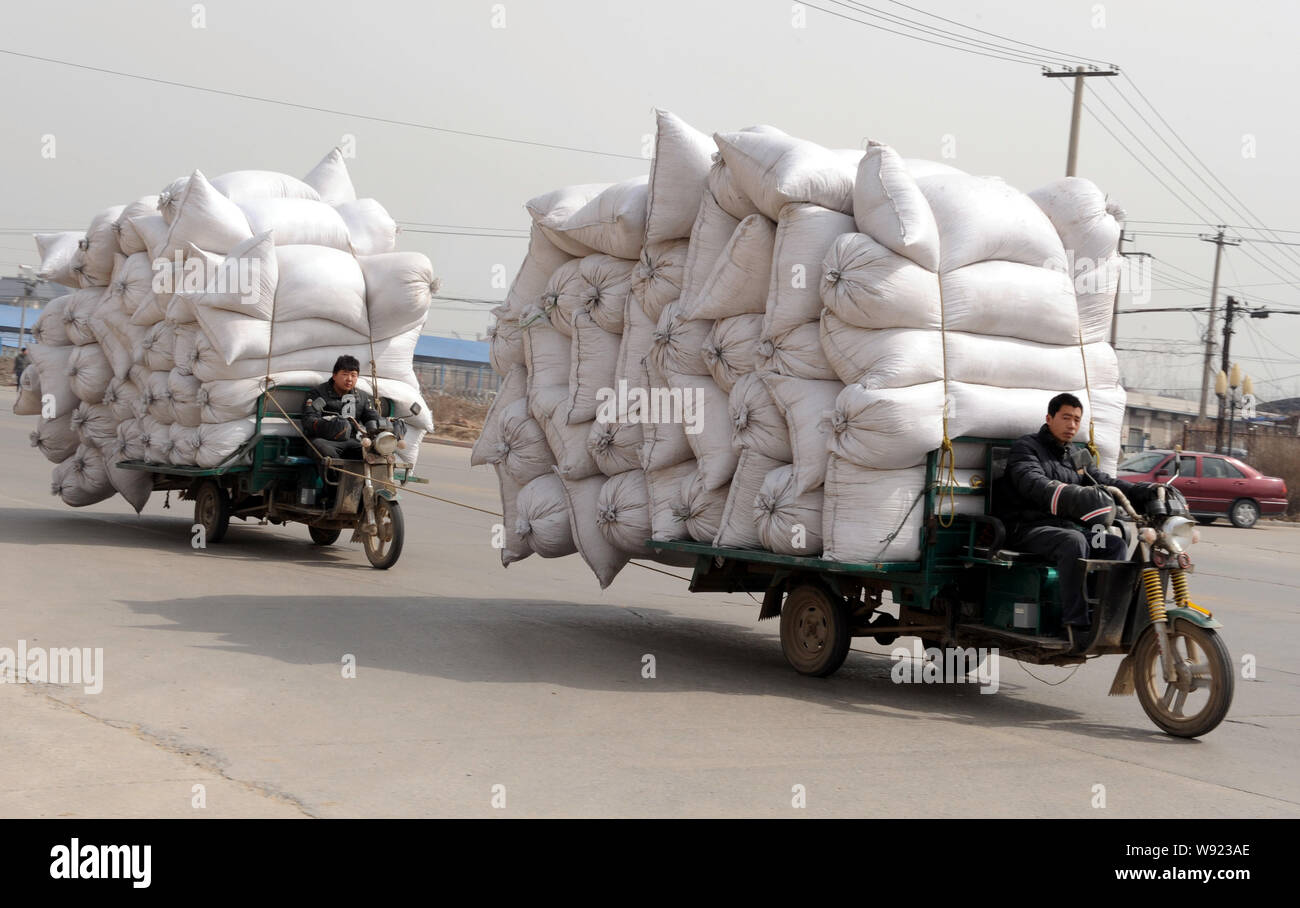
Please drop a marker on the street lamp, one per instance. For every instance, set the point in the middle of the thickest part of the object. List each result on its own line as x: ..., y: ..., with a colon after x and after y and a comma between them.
x: 1235, y: 390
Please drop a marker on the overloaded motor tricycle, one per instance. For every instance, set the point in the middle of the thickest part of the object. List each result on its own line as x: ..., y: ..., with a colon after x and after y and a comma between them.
x: 968, y: 591
x: 273, y: 476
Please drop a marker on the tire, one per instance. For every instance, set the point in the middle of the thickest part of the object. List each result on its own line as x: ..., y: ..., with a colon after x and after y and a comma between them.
x: 212, y: 510
x: 815, y: 631
x: 1203, y: 663
x: 1206, y: 521
x: 323, y: 535
x: 383, y: 551
x: 1244, y: 513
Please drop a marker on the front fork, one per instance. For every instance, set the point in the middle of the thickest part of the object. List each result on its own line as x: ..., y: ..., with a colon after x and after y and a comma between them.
x: 368, y: 497
x: 1155, y: 595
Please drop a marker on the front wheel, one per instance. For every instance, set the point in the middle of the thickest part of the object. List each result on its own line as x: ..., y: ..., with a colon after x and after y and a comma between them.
x: 385, y: 545
x: 1244, y: 513
x: 815, y: 631
x: 1199, y: 699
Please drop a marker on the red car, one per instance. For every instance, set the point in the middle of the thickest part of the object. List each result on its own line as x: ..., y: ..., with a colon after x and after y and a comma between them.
x: 1215, y: 485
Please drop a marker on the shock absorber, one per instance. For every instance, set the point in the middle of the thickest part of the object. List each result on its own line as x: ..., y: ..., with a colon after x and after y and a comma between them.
x: 1155, y: 593
x: 1179, y: 578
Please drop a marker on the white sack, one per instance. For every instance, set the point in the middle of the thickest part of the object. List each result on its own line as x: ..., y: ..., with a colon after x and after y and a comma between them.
x: 890, y: 207
x: 128, y: 237
x: 88, y: 372
x: 28, y: 402
x: 658, y: 276
x: 678, y: 344
x: 866, y: 285
x: 797, y: 352
x: 542, y: 517
x: 52, y: 364
x: 982, y: 218
x: 707, y: 428
x: 134, y: 485
x: 563, y: 296
x: 514, y: 547
x: 94, y: 424
x: 330, y: 179
x: 807, y: 407
x: 623, y: 513
x: 731, y: 348
x: 803, y: 236
x: 664, y: 488
x: 556, y: 207
x: 710, y: 234
x: 613, y: 222
x: 55, y: 438
x: 513, y: 387
x: 57, y: 252
x: 738, y: 281
x: 592, y: 364
x: 757, y: 423
x: 789, y: 522
x: 206, y: 219
x: 49, y: 329
x: 700, y: 508
x: 82, y: 479
x: 738, y: 528
x: 678, y: 174
x: 93, y: 263
x: 604, y: 559
x: 774, y: 169
x: 78, y: 312
x: 399, y: 290
x: 246, y: 185
x: 615, y: 447
x: 296, y: 222
x: 522, y: 449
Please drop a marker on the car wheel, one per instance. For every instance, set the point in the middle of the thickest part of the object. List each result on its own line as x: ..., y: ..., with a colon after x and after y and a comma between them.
x: 1244, y: 513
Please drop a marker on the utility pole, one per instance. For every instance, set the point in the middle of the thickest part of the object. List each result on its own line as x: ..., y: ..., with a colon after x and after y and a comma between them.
x: 1079, y: 73
x: 1228, y: 312
x: 1114, y: 319
x: 1219, y: 242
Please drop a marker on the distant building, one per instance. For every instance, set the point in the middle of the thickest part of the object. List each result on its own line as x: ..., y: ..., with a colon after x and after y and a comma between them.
x: 1152, y: 421
x: 455, y: 366
x: 13, y: 292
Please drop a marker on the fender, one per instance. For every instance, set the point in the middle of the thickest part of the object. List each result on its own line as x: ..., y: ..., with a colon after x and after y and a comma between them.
x: 1124, y: 684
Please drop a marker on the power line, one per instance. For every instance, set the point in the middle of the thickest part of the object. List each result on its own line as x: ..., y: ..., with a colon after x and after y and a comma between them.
x: 315, y: 109
x: 1049, y: 51
x: 964, y: 50
x: 1033, y: 59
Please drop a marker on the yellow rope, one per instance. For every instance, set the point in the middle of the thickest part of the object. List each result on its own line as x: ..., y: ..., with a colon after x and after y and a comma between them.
x: 946, y: 454
x: 1087, y: 391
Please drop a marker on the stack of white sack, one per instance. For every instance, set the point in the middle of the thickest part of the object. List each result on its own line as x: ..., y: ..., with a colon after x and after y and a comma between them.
x: 185, y: 304
x: 797, y: 324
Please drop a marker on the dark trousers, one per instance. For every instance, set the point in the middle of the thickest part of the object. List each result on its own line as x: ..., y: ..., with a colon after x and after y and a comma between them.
x: 348, y: 449
x: 1066, y: 547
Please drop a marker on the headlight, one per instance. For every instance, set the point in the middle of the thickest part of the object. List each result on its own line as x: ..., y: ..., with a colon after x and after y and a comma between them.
x: 1179, y: 533
x: 385, y: 443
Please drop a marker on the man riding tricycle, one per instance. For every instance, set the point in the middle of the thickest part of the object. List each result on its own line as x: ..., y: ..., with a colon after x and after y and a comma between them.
x: 1120, y: 587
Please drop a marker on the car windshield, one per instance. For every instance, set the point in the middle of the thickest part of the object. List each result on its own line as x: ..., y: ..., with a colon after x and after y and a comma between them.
x: 1141, y: 463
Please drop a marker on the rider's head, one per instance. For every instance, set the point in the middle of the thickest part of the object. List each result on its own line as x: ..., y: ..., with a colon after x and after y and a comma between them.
x: 1064, y: 416
x: 346, y: 372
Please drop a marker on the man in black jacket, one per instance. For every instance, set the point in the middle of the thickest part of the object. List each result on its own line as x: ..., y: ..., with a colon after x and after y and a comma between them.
x: 1053, y: 507
x: 335, y: 409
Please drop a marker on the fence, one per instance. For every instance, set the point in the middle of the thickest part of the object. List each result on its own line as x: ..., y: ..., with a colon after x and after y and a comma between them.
x: 469, y: 380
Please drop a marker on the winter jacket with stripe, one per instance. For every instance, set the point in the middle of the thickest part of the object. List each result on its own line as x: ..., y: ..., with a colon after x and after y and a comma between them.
x: 1030, y: 490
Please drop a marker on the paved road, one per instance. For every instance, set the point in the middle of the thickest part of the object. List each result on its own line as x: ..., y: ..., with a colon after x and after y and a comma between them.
x: 223, y: 669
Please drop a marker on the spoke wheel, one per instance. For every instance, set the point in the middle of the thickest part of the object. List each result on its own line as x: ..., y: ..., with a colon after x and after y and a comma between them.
x: 815, y: 632
x: 1197, y: 701
x: 212, y: 511
x: 1244, y: 513
x: 385, y: 545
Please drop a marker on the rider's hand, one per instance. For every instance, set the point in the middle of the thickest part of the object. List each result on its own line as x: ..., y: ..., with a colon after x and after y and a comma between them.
x: 1079, y: 502
x: 1142, y: 492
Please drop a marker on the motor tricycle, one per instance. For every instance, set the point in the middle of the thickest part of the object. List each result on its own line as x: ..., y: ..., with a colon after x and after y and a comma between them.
x: 968, y: 590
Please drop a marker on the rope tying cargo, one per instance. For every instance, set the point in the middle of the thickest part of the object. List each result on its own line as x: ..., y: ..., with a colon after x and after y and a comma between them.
x: 1087, y: 390
x: 946, y: 454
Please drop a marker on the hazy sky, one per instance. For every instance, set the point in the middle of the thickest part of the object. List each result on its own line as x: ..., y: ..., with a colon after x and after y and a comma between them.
x: 588, y: 75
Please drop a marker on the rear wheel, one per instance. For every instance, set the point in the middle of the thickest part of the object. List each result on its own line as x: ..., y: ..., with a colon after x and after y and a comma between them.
x: 385, y: 545
x: 323, y: 535
x: 815, y: 631
x: 212, y: 510
x: 1198, y: 700
x: 1244, y: 513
